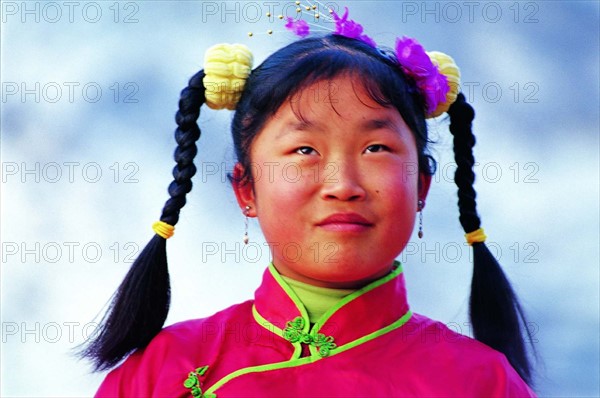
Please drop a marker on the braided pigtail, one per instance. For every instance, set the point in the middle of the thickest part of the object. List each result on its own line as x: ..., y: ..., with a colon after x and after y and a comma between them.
x: 140, y: 305
x: 496, y: 315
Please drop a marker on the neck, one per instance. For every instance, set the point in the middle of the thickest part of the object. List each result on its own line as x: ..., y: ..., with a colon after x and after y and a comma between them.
x: 317, y: 300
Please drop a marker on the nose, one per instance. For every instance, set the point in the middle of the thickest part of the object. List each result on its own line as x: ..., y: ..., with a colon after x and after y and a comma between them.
x: 342, y: 180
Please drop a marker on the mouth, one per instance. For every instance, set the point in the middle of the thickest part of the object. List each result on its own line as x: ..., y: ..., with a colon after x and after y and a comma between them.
x: 345, y: 222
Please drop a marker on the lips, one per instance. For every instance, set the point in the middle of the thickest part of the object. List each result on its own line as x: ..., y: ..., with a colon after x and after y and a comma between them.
x: 345, y: 222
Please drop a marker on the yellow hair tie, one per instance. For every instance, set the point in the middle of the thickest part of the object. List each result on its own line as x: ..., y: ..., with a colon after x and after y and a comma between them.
x: 448, y: 68
x: 163, y: 229
x: 476, y: 236
x: 226, y: 68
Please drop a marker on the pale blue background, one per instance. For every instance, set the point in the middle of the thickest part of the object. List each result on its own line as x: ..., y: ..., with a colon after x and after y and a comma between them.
x: 537, y: 187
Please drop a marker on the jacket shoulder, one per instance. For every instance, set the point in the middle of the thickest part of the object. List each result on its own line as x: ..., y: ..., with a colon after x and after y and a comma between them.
x: 487, y: 371
x: 160, y: 368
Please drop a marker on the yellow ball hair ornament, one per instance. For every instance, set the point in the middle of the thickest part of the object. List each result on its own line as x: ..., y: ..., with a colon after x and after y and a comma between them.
x: 448, y: 68
x: 226, y: 68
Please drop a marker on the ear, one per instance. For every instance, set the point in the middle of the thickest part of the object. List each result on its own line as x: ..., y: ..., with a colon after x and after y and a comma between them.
x: 244, y: 191
x: 424, y: 184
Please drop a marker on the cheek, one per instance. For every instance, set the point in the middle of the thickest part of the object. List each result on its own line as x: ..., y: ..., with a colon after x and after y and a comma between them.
x: 280, y: 187
x: 402, y: 211
x: 287, y: 182
x: 281, y: 197
x: 402, y: 204
x: 397, y: 187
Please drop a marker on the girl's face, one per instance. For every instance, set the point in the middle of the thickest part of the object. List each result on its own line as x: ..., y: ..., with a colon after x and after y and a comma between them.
x: 335, y: 185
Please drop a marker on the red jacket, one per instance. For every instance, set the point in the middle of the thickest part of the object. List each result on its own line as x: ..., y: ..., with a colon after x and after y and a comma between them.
x: 369, y: 344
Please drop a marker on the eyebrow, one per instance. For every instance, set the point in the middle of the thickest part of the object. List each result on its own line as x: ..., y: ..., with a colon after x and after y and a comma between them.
x: 303, y: 125
x: 298, y: 125
x: 377, y: 124
x: 384, y: 123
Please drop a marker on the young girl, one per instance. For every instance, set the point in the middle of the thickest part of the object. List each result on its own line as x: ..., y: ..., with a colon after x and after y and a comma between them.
x: 332, y: 318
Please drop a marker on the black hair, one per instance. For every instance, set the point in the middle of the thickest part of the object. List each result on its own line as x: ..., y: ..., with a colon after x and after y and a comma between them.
x: 496, y: 315
x: 140, y: 306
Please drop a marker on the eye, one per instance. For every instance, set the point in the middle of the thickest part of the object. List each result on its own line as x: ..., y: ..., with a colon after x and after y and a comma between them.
x: 377, y: 148
x: 305, y: 150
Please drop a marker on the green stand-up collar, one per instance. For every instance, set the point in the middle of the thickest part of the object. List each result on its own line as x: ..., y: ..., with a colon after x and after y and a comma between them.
x: 317, y: 300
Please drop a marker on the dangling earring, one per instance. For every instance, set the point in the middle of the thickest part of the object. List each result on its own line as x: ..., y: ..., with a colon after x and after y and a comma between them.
x: 420, y: 206
x: 246, y: 239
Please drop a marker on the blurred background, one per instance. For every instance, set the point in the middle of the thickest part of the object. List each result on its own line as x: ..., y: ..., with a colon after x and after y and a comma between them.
x: 89, y: 93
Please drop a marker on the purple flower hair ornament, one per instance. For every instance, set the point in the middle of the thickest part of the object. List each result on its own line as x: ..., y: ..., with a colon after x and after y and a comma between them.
x: 299, y: 27
x: 435, y: 74
x: 415, y: 62
x: 350, y: 28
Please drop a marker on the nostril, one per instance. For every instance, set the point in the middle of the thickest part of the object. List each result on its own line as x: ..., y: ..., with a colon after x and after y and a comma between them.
x: 344, y: 191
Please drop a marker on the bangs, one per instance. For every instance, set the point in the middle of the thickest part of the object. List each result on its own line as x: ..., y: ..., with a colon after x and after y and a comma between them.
x: 379, y: 74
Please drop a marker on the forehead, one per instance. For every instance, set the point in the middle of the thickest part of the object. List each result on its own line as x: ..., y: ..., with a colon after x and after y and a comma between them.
x: 340, y: 108
x: 345, y: 96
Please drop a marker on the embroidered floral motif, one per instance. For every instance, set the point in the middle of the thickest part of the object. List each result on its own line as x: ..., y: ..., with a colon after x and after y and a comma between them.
x: 324, y: 344
x: 194, y: 383
x: 294, y: 333
x: 293, y: 330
